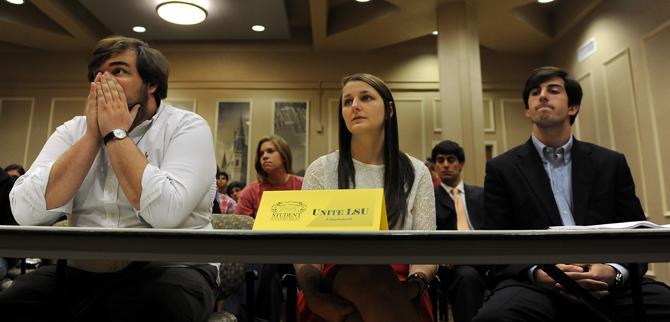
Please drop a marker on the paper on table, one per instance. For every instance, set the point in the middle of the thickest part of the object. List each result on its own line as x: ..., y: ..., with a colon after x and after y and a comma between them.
x: 618, y: 225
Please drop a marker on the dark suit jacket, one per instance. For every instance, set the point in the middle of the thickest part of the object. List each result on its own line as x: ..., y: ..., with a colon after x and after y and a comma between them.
x: 518, y: 195
x: 6, y: 184
x: 446, y: 213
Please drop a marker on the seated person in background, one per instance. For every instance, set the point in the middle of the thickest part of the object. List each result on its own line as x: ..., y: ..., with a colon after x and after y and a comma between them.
x: 369, y: 157
x: 223, y: 204
x: 6, y: 218
x: 551, y: 180
x: 6, y: 184
x: 233, y: 190
x: 15, y: 170
x: 433, y: 173
x: 458, y: 206
x: 132, y: 161
x: 274, y: 171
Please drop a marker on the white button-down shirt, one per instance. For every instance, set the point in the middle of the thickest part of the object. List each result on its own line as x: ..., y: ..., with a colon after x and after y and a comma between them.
x: 178, y: 184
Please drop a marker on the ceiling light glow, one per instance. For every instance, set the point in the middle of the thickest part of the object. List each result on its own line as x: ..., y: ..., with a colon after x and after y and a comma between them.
x: 434, y: 32
x: 15, y: 1
x: 545, y: 1
x: 181, y: 13
x: 362, y: 1
x: 258, y: 28
x: 139, y: 29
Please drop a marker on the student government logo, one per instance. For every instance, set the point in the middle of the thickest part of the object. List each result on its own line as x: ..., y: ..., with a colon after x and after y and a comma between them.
x: 287, y: 211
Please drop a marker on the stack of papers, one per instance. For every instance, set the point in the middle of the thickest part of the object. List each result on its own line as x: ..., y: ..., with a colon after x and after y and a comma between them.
x: 618, y: 225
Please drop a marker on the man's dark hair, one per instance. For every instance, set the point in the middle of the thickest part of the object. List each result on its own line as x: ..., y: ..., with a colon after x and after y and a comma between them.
x: 233, y: 185
x: 15, y: 166
x: 151, y: 64
x: 448, y: 147
x: 222, y: 173
x: 543, y: 74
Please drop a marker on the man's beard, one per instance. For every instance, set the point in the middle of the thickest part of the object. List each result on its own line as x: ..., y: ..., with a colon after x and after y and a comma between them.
x: 143, y: 100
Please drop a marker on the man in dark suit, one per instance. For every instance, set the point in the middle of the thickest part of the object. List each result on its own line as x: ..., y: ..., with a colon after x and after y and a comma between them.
x: 458, y: 206
x: 551, y: 180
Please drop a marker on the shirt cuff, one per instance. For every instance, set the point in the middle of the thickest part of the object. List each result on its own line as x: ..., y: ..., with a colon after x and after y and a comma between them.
x: 531, y: 273
x: 624, y: 272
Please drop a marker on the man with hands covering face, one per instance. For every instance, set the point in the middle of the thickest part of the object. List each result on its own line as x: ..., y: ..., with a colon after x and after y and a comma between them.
x: 132, y: 161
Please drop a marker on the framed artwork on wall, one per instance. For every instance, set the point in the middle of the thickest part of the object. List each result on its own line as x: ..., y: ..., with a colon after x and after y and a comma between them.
x: 290, y: 121
x: 232, y: 139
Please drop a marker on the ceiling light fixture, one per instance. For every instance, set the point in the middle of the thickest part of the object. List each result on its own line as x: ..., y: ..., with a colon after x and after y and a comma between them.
x: 362, y: 1
x: 15, y: 1
x: 258, y: 28
x: 181, y: 13
x: 545, y: 1
x: 434, y: 32
x: 139, y: 29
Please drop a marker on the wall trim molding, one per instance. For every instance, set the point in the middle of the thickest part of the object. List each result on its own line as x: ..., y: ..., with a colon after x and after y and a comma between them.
x: 330, y: 121
x: 30, y: 122
x: 250, y: 84
x: 503, y: 119
x: 494, y: 145
x: 187, y: 99
x: 625, y: 53
x: 589, y: 74
x: 492, y: 118
x: 50, y: 125
x: 437, y: 107
x: 423, y: 122
x: 654, y: 120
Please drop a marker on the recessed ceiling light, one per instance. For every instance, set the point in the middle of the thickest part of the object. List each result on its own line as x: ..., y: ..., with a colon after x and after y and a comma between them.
x: 258, y: 28
x: 181, y: 13
x: 362, y: 0
x: 15, y: 1
x: 434, y: 32
x: 139, y: 29
x: 545, y: 1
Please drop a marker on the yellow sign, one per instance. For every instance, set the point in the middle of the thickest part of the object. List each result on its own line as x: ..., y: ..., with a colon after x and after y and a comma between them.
x: 348, y: 209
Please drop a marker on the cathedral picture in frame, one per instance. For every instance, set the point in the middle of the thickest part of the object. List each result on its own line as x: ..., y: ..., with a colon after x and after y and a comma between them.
x: 232, y: 139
